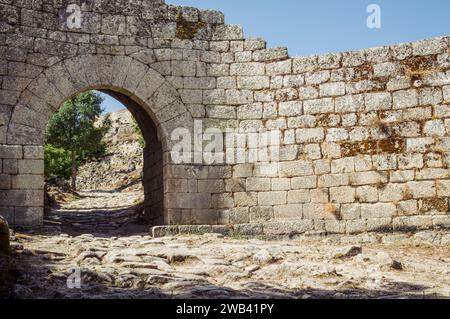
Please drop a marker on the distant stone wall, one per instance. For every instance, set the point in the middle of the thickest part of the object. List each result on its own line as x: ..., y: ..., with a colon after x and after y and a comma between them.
x: 365, y: 142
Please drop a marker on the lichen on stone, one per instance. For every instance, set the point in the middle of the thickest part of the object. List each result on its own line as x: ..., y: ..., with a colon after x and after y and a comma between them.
x: 187, y: 30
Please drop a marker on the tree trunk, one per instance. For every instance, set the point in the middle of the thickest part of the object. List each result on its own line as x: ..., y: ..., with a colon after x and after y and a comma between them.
x: 74, y: 172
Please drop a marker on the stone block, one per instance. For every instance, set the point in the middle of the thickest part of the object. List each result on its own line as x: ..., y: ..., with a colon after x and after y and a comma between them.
x: 412, y: 223
x: 248, y: 230
x: 31, y: 167
x: 378, y: 210
x: 356, y: 226
x: 10, y: 166
x: 5, y: 181
x: 27, y: 182
x: 317, y: 106
x: 350, y: 211
x: 393, y: 193
x: 335, y: 226
x: 287, y: 228
x: 367, y: 178
x: 29, y: 217
x: 33, y: 152
x: 279, y: 68
x: 379, y: 225
x: 342, y: 195
x: 248, y: 69
x: 320, y: 211
x: 272, y: 198
x: 320, y: 195
x: 296, y: 168
x: 11, y: 152
x: 333, y: 180
x: 421, y: 189
x: 405, y: 99
x: 378, y: 101
x: 290, y: 211
x: 304, y: 182
x: 298, y: 196
x: 258, y: 184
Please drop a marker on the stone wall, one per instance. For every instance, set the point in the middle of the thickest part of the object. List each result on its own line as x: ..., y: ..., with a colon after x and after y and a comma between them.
x: 365, y: 135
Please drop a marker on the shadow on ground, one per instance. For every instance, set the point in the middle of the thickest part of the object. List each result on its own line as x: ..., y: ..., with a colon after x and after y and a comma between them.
x: 34, y: 279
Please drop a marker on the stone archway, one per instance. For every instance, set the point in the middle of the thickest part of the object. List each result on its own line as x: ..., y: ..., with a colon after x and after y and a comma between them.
x: 150, y: 98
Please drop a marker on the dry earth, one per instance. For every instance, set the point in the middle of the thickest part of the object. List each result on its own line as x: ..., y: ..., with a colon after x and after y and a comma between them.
x: 135, y: 265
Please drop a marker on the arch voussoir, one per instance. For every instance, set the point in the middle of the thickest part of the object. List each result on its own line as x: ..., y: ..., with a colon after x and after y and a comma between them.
x: 46, y: 90
x: 118, y: 76
x: 61, y: 79
x: 151, y: 81
x: 75, y: 69
x: 135, y: 73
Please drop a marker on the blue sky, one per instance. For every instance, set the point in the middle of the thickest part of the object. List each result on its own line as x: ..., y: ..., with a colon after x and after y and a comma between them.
x: 320, y: 26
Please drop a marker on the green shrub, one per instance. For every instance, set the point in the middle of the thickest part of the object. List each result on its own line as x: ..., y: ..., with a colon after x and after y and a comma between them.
x: 57, y: 162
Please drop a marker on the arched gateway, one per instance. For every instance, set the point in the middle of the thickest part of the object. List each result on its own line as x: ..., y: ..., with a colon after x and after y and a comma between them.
x: 363, y: 137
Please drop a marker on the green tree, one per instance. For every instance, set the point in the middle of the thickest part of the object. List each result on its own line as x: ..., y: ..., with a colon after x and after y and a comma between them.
x: 73, y: 130
x: 138, y: 132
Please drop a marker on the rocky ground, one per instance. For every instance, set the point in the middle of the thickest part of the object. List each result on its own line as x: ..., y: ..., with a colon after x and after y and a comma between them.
x: 97, y: 212
x: 122, y: 165
x: 211, y: 266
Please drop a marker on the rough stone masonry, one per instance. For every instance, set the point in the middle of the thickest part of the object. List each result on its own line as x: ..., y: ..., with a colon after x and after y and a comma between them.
x: 365, y: 142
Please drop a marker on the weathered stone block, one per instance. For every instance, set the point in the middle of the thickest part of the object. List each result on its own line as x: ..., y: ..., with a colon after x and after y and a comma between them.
x: 335, y: 226
x: 288, y: 228
x: 350, y: 211
x: 342, y: 195
x: 310, y: 135
x: 379, y: 225
x: 421, y: 189
x: 319, y: 211
x: 290, y: 211
x: 279, y: 68
x: 33, y: 152
x: 367, y: 178
x: 248, y: 69
x: 408, y: 223
x: 325, y: 105
x: 333, y: 180
x: 378, y: 101
x: 248, y: 230
x: 296, y: 168
x: 356, y: 226
x: 31, y: 167
x: 258, y: 184
x: 304, y: 182
x: 298, y: 196
x: 11, y: 152
x: 405, y: 99
x: 272, y: 198
x: 350, y: 103
x: 5, y: 181
x: 27, y: 182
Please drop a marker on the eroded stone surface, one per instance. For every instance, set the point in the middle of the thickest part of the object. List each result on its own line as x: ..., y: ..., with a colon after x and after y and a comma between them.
x: 213, y: 266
